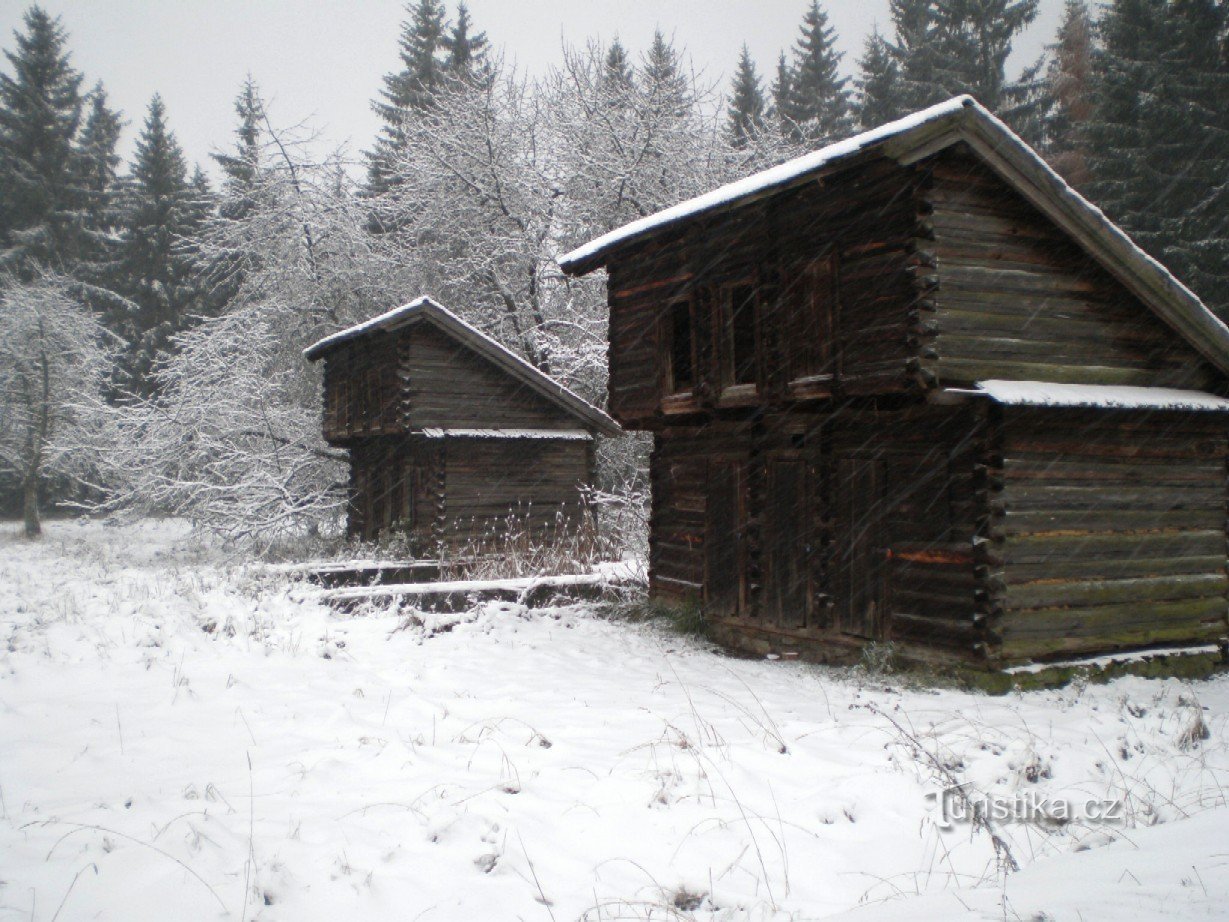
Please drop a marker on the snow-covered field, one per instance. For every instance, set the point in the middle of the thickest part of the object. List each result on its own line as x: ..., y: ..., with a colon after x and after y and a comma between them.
x: 184, y: 739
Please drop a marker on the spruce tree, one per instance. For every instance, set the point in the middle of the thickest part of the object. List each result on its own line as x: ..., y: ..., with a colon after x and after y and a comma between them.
x: 782, y: 92
x: 878, y: 83
x: 1069, y: 94
x: 976, y: 40
x: 746, y: 110
x: 467, y: 50
x: 662, y: 78
x: 946, y: 47
x: 423, y: 65
x: 99, y: 159
x: 819, y: 97
x: 156, y: 271
x: 618, y: 66
x: 41, y: 197
x: 916, y: 49
x: 1158, y: 133
x: 98, y: 245
x: 241, y: 167
x: 242, y: 194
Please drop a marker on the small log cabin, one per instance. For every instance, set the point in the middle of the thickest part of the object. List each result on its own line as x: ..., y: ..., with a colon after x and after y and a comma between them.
x: 450, y: 434
x: 913, y: 388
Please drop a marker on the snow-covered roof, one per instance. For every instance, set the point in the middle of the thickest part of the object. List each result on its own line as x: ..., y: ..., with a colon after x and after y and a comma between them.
x: 1102, y: 396
x: 959, y: 120
x: 752, y: 186
x: 567, y: 435
x: 426, y: 309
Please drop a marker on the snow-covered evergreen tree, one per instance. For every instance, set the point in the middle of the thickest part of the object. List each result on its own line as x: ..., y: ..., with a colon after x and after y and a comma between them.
x: 99, y: 160
x: 424, y: 63
x: 917, y: 48
x: 155, y: 267
x: 1159, y: 131
x: 467, y: 51
x: 241, y: 166
x: 662, y: 78
x: 781, y: 94
x: 619, y: 70
x: 878, y: 83
x: 818, y: 101
x: 41, y: 193
x: 746, y: 108
x: 977, y: 39
x: 945, y: 47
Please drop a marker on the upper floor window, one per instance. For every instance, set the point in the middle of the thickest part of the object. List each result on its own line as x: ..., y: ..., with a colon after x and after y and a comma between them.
x: 680, y: 333
x: 343, y: 401
x: 811, y: 299
x: 739, y: 358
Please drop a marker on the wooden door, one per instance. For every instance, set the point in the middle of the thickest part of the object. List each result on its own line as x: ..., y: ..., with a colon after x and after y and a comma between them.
x: 723, y: 540
x: 786, y: 531
x: 859, y: 558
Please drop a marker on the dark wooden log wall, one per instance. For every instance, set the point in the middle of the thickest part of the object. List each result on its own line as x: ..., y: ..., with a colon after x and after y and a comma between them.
x: 394, y: 484
x: 1107, y: 531
x: 450, y: 386
x: 927, y: 518
x: 927, y: 515
x: 536, y: 480
x: 867, y: 227
x: 416, y: 378
x: 1018, y: 299
x: 679, y: 469
x: 362, y: 389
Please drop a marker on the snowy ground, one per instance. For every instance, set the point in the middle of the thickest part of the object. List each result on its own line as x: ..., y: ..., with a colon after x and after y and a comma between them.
x: 180, y: 739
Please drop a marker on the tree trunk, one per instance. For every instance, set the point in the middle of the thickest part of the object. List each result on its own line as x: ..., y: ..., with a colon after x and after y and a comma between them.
x: 30, y: 489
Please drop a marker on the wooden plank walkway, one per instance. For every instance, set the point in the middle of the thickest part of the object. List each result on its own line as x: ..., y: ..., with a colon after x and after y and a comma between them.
x: 459, y: 594
x: 425, y: 585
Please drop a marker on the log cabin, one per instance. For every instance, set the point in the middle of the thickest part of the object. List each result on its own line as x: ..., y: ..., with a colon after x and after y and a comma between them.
x: 452, y: 437
x: 913, y: 389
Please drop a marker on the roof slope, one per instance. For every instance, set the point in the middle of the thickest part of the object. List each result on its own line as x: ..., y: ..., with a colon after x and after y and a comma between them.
x: 426, y: 310
x: 916, y: 136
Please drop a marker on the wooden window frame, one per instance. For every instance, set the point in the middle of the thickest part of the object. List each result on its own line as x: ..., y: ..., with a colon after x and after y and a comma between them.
x: 330, y: 406
x: 805, y: 312
x: 408, y: 487
x: 732, y: 390
x: 672, y: 396
x: 343, y: 401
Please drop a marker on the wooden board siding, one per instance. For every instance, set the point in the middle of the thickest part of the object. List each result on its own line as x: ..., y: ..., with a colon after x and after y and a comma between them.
x: 449, y: 386
x: 392, y: 489
x: 536, y: 480
x: 867, y: 228
x: 1018, y: 299
x: 926, y: 460
x: 788, y: 537
x: 1109, y: 531
x: 679, y: 471
x: 362, y: 388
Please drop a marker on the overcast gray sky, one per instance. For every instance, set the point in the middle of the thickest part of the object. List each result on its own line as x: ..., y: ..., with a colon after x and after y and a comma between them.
x: 323, y: 60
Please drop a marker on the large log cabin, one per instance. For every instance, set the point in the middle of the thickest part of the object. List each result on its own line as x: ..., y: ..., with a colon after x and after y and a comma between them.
x: 451, y: 436
x: 913, y: 388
